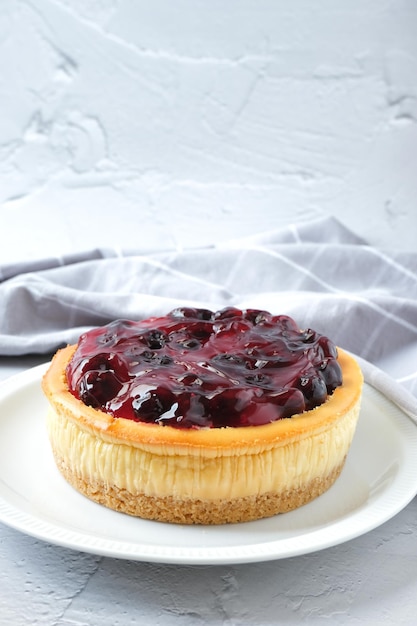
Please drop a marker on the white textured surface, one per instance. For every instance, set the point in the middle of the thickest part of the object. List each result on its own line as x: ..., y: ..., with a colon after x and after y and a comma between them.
x: 192, y: 122
x: 180, y: 116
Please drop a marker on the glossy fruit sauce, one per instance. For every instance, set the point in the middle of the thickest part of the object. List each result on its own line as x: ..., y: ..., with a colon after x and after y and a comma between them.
x: 198, y: 369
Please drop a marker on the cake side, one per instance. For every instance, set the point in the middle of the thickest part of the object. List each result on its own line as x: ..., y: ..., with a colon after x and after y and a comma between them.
x: 285, y: 466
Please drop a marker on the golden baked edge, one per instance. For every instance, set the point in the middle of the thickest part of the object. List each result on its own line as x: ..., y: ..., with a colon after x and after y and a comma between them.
x: 208, y: 476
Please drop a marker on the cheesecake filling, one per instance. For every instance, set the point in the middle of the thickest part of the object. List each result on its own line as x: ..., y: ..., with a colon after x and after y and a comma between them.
x: 195, y: 368
x: 197, y: 476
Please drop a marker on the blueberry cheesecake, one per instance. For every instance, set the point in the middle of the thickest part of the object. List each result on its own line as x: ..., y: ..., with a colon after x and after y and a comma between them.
x: 202, y: 417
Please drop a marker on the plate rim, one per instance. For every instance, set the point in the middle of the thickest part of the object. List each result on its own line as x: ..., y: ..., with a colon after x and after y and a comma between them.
x: 297, y: 545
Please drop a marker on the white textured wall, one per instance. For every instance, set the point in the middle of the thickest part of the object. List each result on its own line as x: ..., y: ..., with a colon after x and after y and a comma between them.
x: 162, y: 120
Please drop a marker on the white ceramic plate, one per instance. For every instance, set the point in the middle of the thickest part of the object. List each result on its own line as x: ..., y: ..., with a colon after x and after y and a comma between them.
x: 378, y: 480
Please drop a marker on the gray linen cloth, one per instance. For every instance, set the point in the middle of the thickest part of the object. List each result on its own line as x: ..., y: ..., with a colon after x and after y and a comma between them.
x: 319, y: 272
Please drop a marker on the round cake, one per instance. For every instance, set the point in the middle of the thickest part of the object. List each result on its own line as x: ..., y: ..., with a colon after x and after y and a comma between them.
x: 202, y: 417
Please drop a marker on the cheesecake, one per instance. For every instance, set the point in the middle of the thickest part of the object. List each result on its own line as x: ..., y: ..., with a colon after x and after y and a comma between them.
x: 202, y: 417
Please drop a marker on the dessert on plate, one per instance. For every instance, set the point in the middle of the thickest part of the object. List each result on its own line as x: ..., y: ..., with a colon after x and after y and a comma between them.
x: 202, y: 417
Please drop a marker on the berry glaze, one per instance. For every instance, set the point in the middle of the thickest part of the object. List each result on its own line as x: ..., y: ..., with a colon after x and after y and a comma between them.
x: 195, y: 368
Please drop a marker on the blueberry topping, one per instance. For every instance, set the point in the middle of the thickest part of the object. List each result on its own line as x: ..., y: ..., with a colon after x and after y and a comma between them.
x: 190, y: 344
x: 153, y: 404
x: 195, y: 368
x: 97, y: 387
x: 227, y: 313
x: 156, y: 339
x: 187, y: 312
x: 331, y: 373
x: 313, y: 387
x: 257, y: 317
x: 259, y: 379
x: 113, y: 332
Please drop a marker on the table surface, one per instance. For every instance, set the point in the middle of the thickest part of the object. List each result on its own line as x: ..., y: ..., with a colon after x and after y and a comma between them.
x: 371, y: 579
